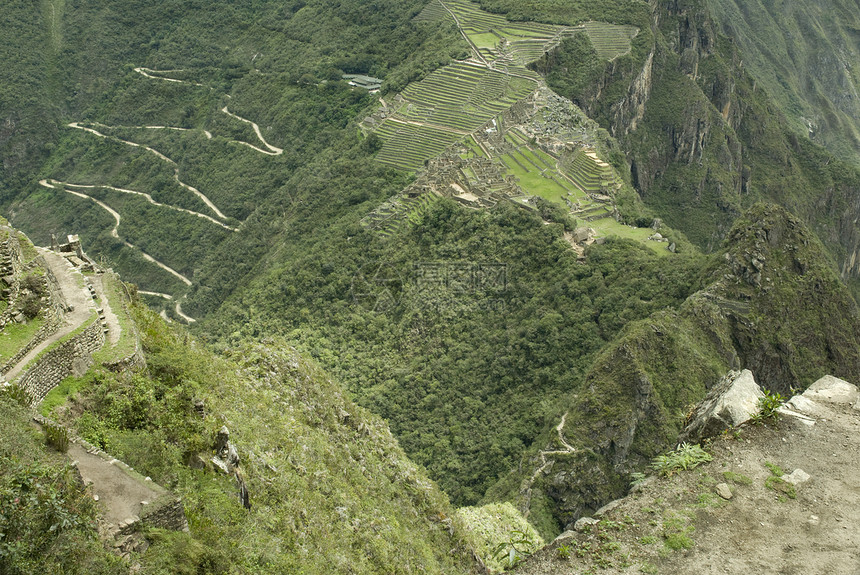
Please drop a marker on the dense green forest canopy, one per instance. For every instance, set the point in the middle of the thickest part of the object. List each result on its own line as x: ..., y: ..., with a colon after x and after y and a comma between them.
x: 505, y: 356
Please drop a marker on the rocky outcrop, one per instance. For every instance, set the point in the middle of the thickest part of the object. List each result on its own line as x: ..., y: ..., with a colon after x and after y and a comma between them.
x: 774, y: 306
x: 795, y: 483
x: 226, y: 460
x: 733, y: 401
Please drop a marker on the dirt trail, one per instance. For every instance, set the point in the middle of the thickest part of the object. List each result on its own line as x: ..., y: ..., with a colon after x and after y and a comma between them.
x: 115, y: 233
x: 146, y: 72
x: 177, y: 309
x: 76, y: 297
x: 273, y: 150
x: 526, y: 488
x: 120, y: 497
x: 149, y: 198
x: 159, y: 155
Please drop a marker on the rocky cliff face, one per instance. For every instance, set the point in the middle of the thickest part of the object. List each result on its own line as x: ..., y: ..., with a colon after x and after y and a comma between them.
x: 793, y: 482
x: 705, y: 138
x: 773, y: 306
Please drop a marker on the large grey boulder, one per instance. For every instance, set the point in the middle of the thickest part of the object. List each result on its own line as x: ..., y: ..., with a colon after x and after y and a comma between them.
x: 831, y: 389
x: 729, y: 403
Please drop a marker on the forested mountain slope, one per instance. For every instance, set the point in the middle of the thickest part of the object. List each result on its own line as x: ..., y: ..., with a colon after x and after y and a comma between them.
x: 709, y: 130
x: 213, y: 154
x: 327, y: 487
x: 772, y: 304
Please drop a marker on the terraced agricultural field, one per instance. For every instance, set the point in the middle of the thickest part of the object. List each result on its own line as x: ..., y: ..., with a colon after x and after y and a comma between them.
x: 444, y: 107
x: 457, y: 102
x: 463, y: 96
x: 536, y: 182
x: 589, y: 172
x: 610, y: 40
x: 432, y: 12
x: 470, y: 15
x: 407, y: 146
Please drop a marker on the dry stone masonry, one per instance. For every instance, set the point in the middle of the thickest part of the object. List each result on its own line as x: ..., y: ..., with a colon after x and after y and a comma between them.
x: 72, y: 357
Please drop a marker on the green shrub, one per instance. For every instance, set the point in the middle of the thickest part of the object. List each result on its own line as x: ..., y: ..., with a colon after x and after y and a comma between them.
x: 768, y: 406
x: 57, y: 437
x: 777, y: 483
x: 678, y: 541
x: 17, y: 394
x: 738, y: 478
x: 93, y: 430
x: 685, y: 456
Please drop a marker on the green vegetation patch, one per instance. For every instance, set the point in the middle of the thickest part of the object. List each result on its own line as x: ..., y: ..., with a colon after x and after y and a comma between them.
x: 677, y: 531
x: 682, y: 458
x: 500, y: 535
x: 62, y: 392
x: 47, y: 519
x: 16, y: 335
x: 737, y: 478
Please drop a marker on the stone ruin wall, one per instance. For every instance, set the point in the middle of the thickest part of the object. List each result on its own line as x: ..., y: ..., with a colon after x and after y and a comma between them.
x: 136, y: 361
x: 165, y: 512
x: 54, y: 314
x: 60, y: 362
x: 10, y: 256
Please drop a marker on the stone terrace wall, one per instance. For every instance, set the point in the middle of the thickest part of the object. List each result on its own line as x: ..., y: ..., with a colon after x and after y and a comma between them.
x: 166, y: 512
x: 54, y: 314
x: 58, y: 363
x: 10, y: 265
x: 136, y: 361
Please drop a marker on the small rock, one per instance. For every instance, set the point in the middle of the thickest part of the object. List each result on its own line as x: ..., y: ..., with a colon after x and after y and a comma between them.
x: 565, y: 535
x: 724, y: 491
x: 813, y: 520
x: 797, y: 477
x: 582, y: 522
x: 607, y: 508
x: 95, y: 497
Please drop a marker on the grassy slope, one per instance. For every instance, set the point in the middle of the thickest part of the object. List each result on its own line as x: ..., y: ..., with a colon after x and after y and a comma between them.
x: 47, y: 520
x: 331, y: 490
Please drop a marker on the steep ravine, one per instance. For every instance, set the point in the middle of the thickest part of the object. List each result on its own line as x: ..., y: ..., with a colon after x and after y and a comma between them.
x: 773, y: 306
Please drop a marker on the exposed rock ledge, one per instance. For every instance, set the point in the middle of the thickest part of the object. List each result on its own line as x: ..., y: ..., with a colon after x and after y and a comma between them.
x: 734, y: 515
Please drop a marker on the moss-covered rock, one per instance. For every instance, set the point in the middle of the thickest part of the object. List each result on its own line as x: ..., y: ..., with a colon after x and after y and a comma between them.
x: 498, y: 533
